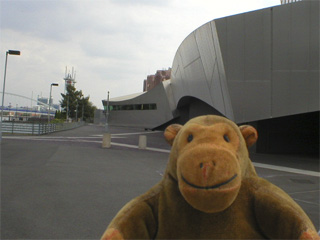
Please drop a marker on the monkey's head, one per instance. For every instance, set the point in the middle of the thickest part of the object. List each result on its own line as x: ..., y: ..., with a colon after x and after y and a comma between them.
x: 209, y: 159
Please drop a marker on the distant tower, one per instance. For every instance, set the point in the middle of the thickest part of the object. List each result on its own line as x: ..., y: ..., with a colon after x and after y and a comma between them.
x: 70, y: 79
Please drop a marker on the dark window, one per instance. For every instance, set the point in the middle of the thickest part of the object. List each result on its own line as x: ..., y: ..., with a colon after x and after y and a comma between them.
x: 145, y: 106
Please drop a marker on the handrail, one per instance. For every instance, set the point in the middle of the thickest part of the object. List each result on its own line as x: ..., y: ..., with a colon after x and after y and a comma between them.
x: 37, y: 128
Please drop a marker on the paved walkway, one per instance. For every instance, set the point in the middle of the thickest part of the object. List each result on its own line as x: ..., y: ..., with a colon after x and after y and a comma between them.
x: 65, y: 186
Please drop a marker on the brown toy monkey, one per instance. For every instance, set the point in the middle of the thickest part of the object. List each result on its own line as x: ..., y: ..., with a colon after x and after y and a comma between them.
x: 211, y: 190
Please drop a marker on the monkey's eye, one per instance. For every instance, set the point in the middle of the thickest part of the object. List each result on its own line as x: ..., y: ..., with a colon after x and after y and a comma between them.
x: 190, y: 138
x: 226, y: 138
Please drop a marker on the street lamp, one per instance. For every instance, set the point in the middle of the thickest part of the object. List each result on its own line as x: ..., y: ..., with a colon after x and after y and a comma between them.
x: 52, y: 84
x: 9, y: 52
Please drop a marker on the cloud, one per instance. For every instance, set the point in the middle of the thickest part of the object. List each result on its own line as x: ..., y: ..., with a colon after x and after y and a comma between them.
x: 44, y: 19
x: 142, y: 2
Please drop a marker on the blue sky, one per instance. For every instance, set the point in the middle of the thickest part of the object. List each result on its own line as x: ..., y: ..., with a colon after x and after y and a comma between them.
x: 112, y: 44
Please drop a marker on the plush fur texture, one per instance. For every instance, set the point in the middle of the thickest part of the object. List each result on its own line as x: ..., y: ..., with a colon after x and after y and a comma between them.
x: 211, y: 191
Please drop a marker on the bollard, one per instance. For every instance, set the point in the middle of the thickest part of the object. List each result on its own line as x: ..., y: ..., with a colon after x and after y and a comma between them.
x: 106, y: 140
x: 142, y: 142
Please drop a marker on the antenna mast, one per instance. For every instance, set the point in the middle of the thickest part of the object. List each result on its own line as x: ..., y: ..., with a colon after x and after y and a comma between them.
x: 69, y: 79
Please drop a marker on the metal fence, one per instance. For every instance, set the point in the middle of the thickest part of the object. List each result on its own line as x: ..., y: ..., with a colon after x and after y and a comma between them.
x: 37, y: 128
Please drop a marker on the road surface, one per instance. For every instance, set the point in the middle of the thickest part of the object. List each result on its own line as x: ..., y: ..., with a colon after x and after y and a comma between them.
x: 65, y: 186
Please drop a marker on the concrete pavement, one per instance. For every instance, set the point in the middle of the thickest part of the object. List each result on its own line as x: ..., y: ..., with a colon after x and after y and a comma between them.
x: 65, y: 186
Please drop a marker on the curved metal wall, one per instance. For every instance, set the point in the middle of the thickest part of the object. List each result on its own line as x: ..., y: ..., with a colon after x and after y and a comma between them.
x: 253, y: 66
x: 198, y: 70
x: 143, y: 118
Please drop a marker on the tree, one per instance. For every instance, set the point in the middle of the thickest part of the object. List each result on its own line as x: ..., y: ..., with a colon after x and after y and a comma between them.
x: 76, y: 105
x: 59, y: 115
x: 86, y: 109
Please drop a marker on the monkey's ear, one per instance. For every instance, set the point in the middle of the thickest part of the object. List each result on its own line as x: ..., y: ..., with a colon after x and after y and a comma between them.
x: 171, y: 132
x: 250, y: 134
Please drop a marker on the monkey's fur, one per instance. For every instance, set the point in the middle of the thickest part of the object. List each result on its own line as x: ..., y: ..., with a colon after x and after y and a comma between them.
x: 211, y: 190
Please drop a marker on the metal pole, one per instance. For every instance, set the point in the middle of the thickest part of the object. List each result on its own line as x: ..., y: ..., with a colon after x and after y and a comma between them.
x: 108, y: 106
x: 9, y: 111
x: 67, y: 108
x: 82, y: 108
x: 107, y: 115
x: 13, y: 52
x: 77, y: 111
x: 49, y: 104
x: 4, y: 84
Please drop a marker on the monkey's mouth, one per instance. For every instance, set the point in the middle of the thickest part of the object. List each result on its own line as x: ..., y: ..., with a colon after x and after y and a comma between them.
x: 209, y: 187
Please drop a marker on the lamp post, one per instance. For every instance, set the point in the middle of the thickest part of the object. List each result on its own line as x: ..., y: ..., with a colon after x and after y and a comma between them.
x: 67, y: 114
x: 77, y: 111
x: 107, y: 115
x: 16, y: 112
x: 9, y: 52
x: 52, y: 84
x: 9, y: 111
x: 82, y: 108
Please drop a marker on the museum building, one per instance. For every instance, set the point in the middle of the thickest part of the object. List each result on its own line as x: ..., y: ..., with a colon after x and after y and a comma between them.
x: 259, y: 68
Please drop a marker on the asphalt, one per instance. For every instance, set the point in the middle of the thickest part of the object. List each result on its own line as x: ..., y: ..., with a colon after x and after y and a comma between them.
x: 66, y: 186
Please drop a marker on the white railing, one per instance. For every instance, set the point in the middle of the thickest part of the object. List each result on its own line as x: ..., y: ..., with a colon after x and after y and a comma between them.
x: 37, y: 128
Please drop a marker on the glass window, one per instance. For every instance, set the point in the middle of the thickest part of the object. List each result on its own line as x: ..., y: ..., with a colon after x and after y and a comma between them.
x: 145, y: 106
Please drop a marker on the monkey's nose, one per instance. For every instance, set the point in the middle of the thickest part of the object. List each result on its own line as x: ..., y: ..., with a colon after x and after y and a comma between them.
x: 207, y: 164
x: 207, y: 168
